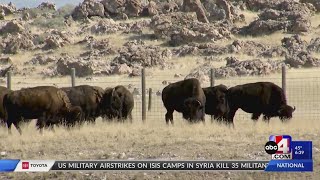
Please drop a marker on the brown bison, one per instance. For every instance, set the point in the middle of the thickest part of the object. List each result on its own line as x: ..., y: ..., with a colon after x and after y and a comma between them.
x: 43, y: 103
x: 216, y: 102
x: 89, y: 98
x: 3, y: 91
x: 259, y: 98
x: 118, y: 103
x: 186, y: 97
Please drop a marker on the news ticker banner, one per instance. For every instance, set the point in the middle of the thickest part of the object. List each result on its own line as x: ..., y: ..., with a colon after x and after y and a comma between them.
x: 11, y: 165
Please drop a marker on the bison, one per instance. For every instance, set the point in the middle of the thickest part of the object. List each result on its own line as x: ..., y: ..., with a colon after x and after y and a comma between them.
x: 42, y: 103
x: 216, y: 102
x: 89, y: 98
x: 119, y: 102
x: 259, y: 98
x: 3, y: 92
x: 186, y: 97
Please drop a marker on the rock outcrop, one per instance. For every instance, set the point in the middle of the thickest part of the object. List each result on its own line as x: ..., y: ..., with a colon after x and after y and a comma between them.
x: 181, y: 28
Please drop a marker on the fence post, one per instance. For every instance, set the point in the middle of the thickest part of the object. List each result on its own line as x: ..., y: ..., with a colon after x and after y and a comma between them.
x: 73, y: 77
x: 211, y: 77
x: 9, y: 80
x: 150, y: 99
x: 143, y: 91
x: 212, y: 84
x: 284, y: 84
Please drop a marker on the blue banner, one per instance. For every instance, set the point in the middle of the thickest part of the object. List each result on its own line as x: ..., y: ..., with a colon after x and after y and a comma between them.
x: 299, y: 165
x: 8, y: 165
x: 301, y: 149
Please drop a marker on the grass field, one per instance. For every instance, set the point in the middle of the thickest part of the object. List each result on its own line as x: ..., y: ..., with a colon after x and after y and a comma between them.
x: 183, y: 141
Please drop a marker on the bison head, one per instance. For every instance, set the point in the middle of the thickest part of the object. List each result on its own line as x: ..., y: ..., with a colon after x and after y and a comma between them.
x: 193, y: 109
x: 74, y: 115
x: 219, y: 100
x: 285, y: 112
x: 115, y: 100
x: 111, y: 103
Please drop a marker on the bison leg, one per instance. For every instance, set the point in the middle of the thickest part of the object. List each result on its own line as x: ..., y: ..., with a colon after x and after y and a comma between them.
x: 255, y: 116
x: 130, y: 117
x: 203, y: 116
x: 212, y: 118
x: 266, y: 118
x: 41, y: 123
x: 51, y: 127
x: 169, y: 116
x: 231, y: 115
x: 9, y: 123
x: 16, y: 124
x: 231, y: 124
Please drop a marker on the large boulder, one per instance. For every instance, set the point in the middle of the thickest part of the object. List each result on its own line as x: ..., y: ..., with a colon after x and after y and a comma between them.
x: 87, y: 9
x: 56, y: 39
x: 137, y: 54
x: 315, y: 3
x: 301, y: 25
x: 288, y: 16
x: 181, y: 28
x: 314, y: 45
x: 47, y: 5
x: 83, y: 66
x: 151, y: 9
x: 12, y: 27
x: 136, y: 26
x: 201, y: 49
x: 256, y: 5
x: 7, y: 9
x: 41, y: 60
x: 102, y: 45
x: 106, y: 26
x: 264, y: 27
x: 294, y: 44
x: 227, y: 7
x: 195, y: 6
x: 114, y: 7
x: 99, y: 48
x: 302, y: 59
x: 120, y: 69
x: 12, y: 44
x: 222, y: 10
x: 162, y: 25
x: 168, y: 7
x: 133, y: 8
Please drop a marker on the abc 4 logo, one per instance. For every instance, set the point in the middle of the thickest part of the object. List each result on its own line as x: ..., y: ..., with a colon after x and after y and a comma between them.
x: 271, y: 147
x: 281, y: 145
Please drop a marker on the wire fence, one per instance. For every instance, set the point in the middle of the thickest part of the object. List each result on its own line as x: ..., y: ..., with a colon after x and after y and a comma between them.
x: 301, y: 87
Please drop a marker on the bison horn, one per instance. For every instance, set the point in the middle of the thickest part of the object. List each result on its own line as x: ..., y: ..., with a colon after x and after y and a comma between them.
x: 113, y: 91
x: 199, y: 102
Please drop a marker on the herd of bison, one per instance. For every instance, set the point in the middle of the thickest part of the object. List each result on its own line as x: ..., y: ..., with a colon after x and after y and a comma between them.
x: 70, y: 106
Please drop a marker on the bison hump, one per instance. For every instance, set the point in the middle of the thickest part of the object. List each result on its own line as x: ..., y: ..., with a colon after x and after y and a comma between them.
x: 63, y: 96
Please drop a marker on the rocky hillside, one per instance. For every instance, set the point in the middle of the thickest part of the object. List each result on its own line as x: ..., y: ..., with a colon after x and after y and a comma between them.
x: 117, y: 37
